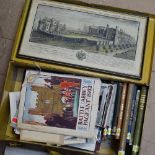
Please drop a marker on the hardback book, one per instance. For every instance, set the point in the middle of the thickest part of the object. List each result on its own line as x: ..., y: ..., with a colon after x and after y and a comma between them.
x: 133, y: 102
x: 134, y: 116
x: 117, y: 107
x: 110, y: 112
x: 107, y: 105
x: 59, y: 104
x: 139, y: 121
x: 121, y: 110
x: 128, y: 105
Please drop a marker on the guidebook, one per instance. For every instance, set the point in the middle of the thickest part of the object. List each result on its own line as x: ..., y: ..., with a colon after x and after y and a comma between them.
x: 58, y: 103
x: 27, y: 135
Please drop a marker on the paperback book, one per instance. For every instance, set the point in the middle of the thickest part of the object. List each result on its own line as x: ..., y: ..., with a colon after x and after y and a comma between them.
x: 33, y: 136
x: 59, y: 104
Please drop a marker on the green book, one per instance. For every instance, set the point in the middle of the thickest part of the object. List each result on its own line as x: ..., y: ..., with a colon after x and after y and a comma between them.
x: 134, y: 116
x: 139, y: 121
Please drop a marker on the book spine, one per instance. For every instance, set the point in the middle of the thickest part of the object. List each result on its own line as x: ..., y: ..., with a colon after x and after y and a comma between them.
x: 107, y: 104
x: 139, y: 121
x: 126, y: 118
x: 117, y: 107
x: 95, y: 101
x: 131, y: 114
x: 121, y: 111
x: 134, y: 116
x: 109, y: 107
x: 109, y: 122
x: 102, y: 101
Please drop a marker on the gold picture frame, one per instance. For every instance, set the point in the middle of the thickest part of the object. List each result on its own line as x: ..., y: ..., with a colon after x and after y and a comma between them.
x: 144, y: 65
x: 96, y: 39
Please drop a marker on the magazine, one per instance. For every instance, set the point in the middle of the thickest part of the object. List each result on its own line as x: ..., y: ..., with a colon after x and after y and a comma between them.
x: 33, y: 135
x: 60, y: 104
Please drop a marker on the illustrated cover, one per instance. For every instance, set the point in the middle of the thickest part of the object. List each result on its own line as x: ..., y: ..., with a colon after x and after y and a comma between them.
x: 28, y: 135
x: 60, y: 104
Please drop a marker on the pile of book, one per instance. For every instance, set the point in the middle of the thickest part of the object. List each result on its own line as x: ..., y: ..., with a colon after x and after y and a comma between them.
x: 76, y: 111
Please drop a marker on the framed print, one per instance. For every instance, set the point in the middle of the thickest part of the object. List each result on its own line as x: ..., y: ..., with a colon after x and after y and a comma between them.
x: 83, y: 37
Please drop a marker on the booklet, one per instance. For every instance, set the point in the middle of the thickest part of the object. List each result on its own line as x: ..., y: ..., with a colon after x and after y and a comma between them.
x: 59, y: 103
x: 34, y: 136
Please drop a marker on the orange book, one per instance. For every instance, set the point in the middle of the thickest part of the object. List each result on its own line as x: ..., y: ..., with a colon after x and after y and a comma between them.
x: 120, y: 118
x: 126, y: 117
